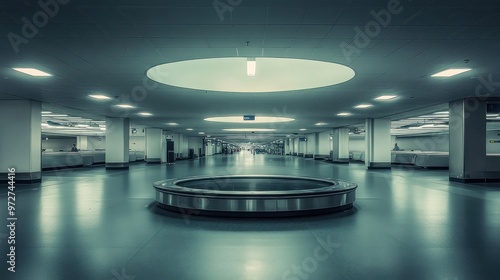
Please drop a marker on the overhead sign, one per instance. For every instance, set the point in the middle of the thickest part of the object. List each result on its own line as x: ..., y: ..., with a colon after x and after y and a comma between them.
x: 493, y: 108
x: 494, y: 141
x: 249, y: 117
x: 302, y: 139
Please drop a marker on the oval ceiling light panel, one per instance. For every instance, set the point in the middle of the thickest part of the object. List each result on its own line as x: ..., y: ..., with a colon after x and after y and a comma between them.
x: 230, y: 74
x: 258, y: 119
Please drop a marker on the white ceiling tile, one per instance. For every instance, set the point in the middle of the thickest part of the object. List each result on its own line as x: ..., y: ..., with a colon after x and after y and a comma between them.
x: 277, y: 42
x: 249, y: 52
x: 122, y: 30
x: 321, y: 16
x: 312, y: 31
x: 304, y: 43
x: 245, y: 15
x: 299, y: 52
x: 275, y: 52
x: 101, y: 14
x: 221, y: 42
x: 193, y: 42
x: 281, y: 31
x: 284, y: 15
x: 224, y: 52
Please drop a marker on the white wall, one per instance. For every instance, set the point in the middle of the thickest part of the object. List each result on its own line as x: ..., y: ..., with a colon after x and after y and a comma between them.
x: 58, y: 144
x: 196, y: 143
x: 324, y: 143
x: 137, y: 143
x: 311, y: 143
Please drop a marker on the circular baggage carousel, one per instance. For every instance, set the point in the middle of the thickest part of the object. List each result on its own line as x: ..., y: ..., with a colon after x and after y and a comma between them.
x: 254, y: 195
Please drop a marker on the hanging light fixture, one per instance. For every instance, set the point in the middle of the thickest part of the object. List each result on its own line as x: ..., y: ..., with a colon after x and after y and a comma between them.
x: 251, y: 66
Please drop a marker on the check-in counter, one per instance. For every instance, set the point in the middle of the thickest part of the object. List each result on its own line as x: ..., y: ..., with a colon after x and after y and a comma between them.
x: 61, y: 159
x: 426, y: 159
x: 51, y: 160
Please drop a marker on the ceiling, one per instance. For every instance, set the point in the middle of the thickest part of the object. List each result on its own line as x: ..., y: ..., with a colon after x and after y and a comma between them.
x: 106, y: 46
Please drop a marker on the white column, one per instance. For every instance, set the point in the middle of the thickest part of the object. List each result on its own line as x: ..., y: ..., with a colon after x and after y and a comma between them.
x: 82, y: 142
x: 340, y: 149
x: 117, y: 143
x: 153, y: 145
x: 21, y: 140
x: 378, y: 143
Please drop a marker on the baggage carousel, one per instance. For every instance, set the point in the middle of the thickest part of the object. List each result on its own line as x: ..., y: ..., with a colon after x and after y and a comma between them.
x: 254, y: 195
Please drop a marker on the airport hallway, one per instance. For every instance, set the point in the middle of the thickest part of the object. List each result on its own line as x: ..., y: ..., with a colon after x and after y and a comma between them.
x: 407, y: 223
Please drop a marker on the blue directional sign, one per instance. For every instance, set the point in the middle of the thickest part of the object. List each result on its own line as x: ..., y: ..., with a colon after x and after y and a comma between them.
x: 249, y: 117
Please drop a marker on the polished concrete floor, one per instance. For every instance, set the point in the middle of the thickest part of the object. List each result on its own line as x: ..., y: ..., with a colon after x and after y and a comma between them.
x: 89, y: 223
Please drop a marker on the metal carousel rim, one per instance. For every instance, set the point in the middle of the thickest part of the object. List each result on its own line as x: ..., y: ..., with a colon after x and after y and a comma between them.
x: 335, y: 185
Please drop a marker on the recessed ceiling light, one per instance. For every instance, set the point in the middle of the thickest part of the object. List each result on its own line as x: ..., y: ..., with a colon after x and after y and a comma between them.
x: 201, y: 132
x: 45, y: 124
x: 451, y: 72
x: 442, y: 113
x: 249, y: 129
x: 363, y: 106
x: 251, y: 66
x: 46, y: 112
x: 102, y: 128
x: 126, y: 106
x: 258, y: 119
x: 82, y: 125
x: 146, y: 114
x: 321, y: 123
x: 432, y: 125
x: 302, y: 129
x: 33, y: 72
x: 172, y: 123
x: 386, y: 97
x: 55, y: 115
x: 190, y: 129
x: 99, y: 96
x: 344, y: 114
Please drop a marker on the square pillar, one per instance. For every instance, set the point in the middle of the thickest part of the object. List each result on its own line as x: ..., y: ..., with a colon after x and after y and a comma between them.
x: 468, y: 159
x: 21, y: 140
x: 340, y: 145
x: 117, y: 143
x: 378, y: 144
x: 153, y: 145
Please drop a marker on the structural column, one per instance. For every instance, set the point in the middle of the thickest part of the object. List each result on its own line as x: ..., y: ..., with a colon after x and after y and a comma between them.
x: 340, y: 149
x: 117, y: 143
x: 21, y: 140
x: 153, y: 145
x: 378, y: 143
x: 469, y: 161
